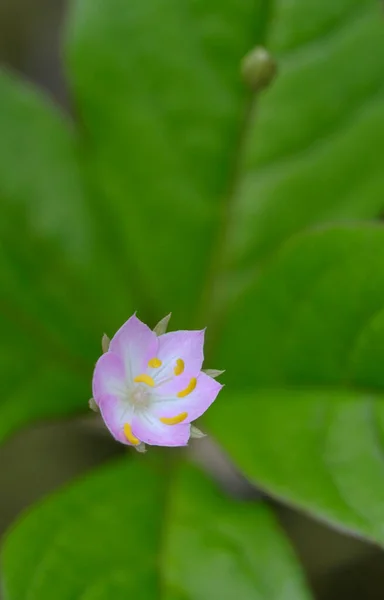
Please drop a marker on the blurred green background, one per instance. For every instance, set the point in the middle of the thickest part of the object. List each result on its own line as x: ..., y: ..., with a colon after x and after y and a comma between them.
x: 139, y: 171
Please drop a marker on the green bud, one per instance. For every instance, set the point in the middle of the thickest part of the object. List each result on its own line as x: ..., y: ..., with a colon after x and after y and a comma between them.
x: 258, y: 68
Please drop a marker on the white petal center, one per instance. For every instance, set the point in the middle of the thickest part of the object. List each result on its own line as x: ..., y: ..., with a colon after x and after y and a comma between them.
x: 140, y: 397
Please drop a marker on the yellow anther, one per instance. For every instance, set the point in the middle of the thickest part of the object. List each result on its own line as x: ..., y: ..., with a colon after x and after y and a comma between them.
x: 190, y: 387
x: 154, y: 363
x: 144, y: 378
x: 129, y: 435
x: 174, y: 420
x: 179, y: 369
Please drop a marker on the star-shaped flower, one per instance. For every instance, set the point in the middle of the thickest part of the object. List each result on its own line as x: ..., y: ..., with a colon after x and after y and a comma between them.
x: 149, y: 386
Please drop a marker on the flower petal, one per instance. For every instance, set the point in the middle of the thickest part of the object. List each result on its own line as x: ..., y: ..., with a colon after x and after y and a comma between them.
x: 150, y: 430
x: 195, y: 403
x: 108, y: 377
x: 182, y: 350
x: 116, y: 413
x: 136, y: 344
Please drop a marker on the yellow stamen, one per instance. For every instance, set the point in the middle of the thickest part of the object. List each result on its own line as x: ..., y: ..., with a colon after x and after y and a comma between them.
x: 190, y: 387
x: 144, y: 378
x: 154, y: 363
x: 174, y: 420
x: 129, y: 435
x: 178, y: 370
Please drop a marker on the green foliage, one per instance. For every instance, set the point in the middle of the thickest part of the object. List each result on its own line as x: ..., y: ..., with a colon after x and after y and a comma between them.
x: 162, y: 110
x: 315, y: 316
x: 121, y: 533
x: 44, y: 237
x: 308, y: 318
x: 174, y: 188
x: 320, y: 449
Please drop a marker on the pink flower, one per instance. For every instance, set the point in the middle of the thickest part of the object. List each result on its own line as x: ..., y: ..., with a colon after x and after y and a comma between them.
x: 149, y: 386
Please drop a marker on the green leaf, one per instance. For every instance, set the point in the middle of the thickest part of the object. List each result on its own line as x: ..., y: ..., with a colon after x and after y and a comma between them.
x: 158, y: 86
x: 318, y: 449
x: 184, y: 156
x: 308, y: 319
x: 119, y: 534
x: 58, y: 290
x: 312, y: 151
x: 45, y: 244
x: 302, y: 352
x: 45, y: 187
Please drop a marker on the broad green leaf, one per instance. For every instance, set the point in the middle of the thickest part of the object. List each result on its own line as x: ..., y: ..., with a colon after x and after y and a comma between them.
x: 312, y: 322
x: 58, y: 290
x: 158, y: 87
x: 312, y: 150
x: 45, y: 244
x: 120, y: 533
x: 213, y: 180
x: 318, y: 449
x: 311, y: 316
x: 39, y: 177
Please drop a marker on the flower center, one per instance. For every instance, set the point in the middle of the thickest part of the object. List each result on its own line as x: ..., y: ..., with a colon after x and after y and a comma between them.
x: 140, y: 397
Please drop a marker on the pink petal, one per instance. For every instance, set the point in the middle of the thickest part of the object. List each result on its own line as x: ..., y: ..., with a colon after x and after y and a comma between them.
x: 150, y: 430
x: 184, y: 345
x: 136, y: 344
x: 116, y: 413
x: 108, y: 377
x: 195, y: 403
x: 172, y: 386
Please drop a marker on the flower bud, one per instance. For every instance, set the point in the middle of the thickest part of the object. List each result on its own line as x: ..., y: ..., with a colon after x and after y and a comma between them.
x: 258, y: 68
